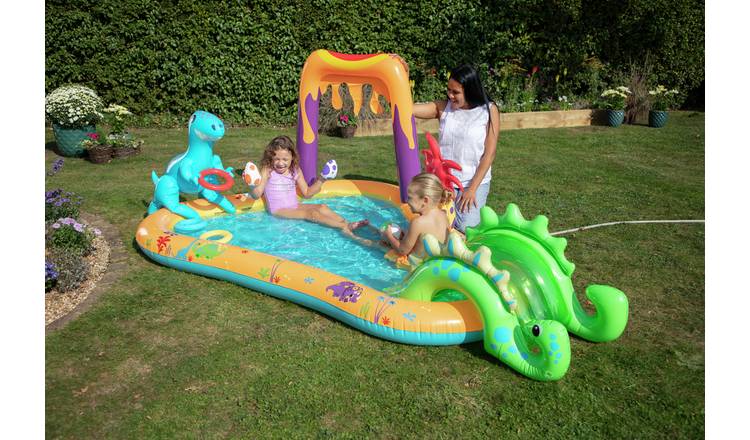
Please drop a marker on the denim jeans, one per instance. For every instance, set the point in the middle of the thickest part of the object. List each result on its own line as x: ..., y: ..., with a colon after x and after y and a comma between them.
x: 470, y: 218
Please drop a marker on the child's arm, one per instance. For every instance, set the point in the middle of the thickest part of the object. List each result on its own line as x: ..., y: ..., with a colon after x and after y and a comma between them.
x: 406, y: 245
x: 257, y: 191
x: 307, y: 191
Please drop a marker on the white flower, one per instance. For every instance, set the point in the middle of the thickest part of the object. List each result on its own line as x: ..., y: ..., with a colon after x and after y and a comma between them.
x: 73, y: 105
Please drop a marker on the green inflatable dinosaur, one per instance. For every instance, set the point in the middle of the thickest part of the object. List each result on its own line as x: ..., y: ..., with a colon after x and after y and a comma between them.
x: 517, y: 275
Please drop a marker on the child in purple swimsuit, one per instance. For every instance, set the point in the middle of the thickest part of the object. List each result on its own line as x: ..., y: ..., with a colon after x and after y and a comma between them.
x: 281, y: 177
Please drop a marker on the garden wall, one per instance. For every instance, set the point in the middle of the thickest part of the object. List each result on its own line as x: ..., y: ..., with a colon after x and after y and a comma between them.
x: 508, y: 121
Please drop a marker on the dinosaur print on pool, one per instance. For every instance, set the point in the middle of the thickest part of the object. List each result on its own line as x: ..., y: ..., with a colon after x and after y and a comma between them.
x: 345, y: 291
x: 183, y: 171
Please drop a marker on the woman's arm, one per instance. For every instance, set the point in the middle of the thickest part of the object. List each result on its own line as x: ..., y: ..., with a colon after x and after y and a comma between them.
x: 307, y: 191
x: 429, y: 110
x: 469, y: 196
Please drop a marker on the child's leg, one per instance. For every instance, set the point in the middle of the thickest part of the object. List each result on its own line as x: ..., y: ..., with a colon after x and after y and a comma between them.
x: 322, y: 214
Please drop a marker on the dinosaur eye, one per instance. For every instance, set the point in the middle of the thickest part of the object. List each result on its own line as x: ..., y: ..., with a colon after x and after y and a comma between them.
x: 536, y: 330
x: 213, y: 127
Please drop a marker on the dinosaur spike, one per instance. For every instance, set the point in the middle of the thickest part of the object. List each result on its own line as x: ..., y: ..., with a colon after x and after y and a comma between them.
x: 512, y: 215
x: 487, y: 218
x: 456, y: 247
x: 558, y: 245
x: 431, y: 244
x: 538, y: 227
x: 482, y: 259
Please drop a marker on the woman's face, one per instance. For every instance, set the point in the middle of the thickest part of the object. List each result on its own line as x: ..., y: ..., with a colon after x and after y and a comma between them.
x: 456, y: 94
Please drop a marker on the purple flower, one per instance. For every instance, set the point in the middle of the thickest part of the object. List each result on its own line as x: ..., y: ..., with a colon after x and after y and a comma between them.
x: 56, y: 166
x: 55, y: 225
x: 78, y: 227
x: 50, y: 271
x: 97, y: 231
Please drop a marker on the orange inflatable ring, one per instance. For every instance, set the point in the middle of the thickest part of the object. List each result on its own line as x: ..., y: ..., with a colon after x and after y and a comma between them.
x: 228, y: 180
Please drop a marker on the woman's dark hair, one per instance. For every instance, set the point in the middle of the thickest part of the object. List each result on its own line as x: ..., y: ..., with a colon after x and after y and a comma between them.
x: 474, y: 92
x: 468, y: 77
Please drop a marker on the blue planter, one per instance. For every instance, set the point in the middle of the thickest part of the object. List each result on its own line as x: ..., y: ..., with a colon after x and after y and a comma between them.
x: 615, y: 117
x: 657, y: 118
x: 69, y: 139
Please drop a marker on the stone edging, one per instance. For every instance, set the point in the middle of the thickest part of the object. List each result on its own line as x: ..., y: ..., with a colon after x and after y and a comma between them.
x: 114, y: 270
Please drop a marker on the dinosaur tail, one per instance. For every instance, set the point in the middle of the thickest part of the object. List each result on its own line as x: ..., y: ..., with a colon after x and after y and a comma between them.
x: 154, y: 177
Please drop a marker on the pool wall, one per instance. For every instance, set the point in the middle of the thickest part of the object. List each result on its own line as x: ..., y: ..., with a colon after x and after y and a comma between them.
x: 366, y: 309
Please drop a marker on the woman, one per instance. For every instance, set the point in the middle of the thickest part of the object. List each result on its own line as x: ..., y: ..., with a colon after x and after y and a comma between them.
x: 469, y: 128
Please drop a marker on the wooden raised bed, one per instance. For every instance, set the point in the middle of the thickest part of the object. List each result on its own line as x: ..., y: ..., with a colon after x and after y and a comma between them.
x: 508, y: 121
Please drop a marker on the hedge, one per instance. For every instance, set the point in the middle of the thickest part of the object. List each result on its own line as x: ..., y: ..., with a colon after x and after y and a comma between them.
x: 242, y: 60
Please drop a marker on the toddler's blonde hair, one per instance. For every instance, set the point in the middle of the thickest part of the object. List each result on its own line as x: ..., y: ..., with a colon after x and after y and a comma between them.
x: 428, y: 184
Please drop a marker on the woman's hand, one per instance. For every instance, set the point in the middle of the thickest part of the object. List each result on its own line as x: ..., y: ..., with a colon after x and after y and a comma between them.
x: 467, y: 200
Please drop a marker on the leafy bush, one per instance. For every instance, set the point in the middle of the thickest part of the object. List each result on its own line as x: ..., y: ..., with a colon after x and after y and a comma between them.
x: 72, y: 269
x: 60, y: 204
x: 68, y: 235
x: 233, y: 61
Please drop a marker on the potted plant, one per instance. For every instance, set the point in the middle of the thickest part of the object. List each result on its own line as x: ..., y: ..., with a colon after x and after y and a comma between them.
x: 97, y: 147
x: 73, y: 111
x: 661, y: 99
x: 347, y: 124
x: 123, y: 143
x: 614, y: 101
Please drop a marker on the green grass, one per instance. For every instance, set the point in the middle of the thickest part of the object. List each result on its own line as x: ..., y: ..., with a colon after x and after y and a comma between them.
x: 167, y: 354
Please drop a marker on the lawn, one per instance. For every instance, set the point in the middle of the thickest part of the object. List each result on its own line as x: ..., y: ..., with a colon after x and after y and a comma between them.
x: 167, y: 354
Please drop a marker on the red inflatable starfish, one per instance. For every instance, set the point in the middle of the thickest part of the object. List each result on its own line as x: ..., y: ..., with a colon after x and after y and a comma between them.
x: 435, y: 164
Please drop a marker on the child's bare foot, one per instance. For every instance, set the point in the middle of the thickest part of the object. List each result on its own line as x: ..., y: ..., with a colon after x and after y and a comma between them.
x: 353, y: 226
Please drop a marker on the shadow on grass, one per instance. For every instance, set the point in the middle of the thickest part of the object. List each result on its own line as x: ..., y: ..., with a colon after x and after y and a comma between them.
x: 370, y: 178
x: 52, y: 146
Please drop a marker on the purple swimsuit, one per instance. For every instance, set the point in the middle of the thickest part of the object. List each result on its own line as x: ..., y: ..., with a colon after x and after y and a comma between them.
x: 281, y: 191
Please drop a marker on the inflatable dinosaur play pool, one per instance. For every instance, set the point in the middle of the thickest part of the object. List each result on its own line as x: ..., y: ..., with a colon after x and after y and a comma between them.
x: 520, y: 298
x: 509, y: 280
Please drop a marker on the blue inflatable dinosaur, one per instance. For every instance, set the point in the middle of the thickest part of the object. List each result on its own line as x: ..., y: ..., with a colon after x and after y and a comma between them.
x: 183, y: 171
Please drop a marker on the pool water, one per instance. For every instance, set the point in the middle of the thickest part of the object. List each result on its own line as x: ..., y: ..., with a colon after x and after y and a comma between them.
x: 320, y: 246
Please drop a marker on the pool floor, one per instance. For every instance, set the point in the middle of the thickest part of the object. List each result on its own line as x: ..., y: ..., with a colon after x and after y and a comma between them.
x: 320, y: 246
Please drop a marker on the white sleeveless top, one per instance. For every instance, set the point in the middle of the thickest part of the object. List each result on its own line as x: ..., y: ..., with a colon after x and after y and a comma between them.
x: 462, y: 135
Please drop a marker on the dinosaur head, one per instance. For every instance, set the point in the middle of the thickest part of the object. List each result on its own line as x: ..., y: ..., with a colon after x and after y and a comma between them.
x: 539, y: 349
x: 205, y: 126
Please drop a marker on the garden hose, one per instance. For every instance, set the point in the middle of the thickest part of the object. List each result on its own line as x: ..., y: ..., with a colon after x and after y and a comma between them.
x: 583, y: 228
